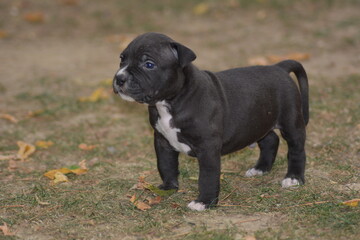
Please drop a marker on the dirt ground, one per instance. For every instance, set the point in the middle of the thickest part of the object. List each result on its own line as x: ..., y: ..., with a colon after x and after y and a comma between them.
x: 50, y: 62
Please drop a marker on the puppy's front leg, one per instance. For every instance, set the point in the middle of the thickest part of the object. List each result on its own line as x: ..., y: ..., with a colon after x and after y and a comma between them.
x: 167, y: 162
x: 209, y: 181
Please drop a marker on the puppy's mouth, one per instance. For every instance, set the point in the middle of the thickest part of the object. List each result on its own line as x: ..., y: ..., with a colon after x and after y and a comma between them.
x: 132, y: 96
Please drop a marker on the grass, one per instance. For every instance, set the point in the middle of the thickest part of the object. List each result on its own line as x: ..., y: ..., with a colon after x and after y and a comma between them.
x: 97, y: 205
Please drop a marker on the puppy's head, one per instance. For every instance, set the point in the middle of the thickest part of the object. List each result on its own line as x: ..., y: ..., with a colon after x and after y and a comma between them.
x: 151, y: 68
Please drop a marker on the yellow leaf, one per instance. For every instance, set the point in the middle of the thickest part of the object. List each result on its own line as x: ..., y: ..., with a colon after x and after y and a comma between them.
x: 6, y: 231
x: 352, y: 203
x: 97, y: 95
x: 35, y: 113
x: 44, y: 144
x: 9, y: 117
x: 51, y: 174
x: 201, y: 9
x: 25, y: 150
x: 34, y: 17
x: 60, y: 177
x: 79, y: 171
x: 84, y: 146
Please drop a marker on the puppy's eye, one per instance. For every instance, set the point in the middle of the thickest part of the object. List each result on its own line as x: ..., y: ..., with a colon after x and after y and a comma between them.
x: 122, y: 57
x: 149, y: 65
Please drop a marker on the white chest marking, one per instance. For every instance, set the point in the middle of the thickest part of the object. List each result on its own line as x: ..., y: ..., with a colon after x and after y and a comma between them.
x: 169, y: 132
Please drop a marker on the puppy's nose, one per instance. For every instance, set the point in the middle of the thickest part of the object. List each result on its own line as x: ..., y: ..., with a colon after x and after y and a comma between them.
x: 120, y: 79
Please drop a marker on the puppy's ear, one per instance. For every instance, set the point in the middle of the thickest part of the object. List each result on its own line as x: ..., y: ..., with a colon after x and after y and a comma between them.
x: 184, y: 54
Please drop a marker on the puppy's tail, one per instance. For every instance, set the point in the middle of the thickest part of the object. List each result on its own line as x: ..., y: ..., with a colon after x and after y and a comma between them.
x: 296, y: 67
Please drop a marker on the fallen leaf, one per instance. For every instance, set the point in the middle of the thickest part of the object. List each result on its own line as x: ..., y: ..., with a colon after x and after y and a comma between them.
x: 133, y: 198
x: 84, y: 146
x: 70, y: 2
x: 51, y: 174
x: 34, y: 17
x: 25, y: 150
x: 8, y: 116
x: 6, y: 231
x: 294, y: 56
x: 139, y: 204
x: 44, y: 144
x: 35, y: 113
x: 82, y: 164
x: 142, y: 206
x: 261, y: 15
x: 352, y: 203
x: 141, y: 184
x: 258, y: 61
x: 201, y: 9
x: 60, y: 177
x: 97, y: 95
x: 154, y: 201
x: 72, y: 169
x: 3, y: 34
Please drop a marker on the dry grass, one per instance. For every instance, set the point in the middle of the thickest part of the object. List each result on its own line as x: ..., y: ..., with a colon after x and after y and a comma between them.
x: 48, y: 66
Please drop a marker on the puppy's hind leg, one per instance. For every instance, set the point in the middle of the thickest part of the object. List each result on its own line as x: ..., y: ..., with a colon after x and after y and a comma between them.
x: 268, y: 150
x: 295, y: 138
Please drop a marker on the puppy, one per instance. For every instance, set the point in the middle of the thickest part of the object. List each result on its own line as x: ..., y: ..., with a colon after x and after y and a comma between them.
x: 209, y: 114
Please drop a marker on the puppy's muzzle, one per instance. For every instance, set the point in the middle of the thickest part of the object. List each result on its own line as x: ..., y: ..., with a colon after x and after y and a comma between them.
x: 119, y: 81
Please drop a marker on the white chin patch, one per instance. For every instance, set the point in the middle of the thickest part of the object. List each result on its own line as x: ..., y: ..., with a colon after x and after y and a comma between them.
x: 196, y: 206
x: 127, y: 98
x: 253, y: 172
x: 290, y: 182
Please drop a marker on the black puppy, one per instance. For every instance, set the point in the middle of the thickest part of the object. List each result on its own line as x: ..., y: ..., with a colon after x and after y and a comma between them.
x: 206, y: 115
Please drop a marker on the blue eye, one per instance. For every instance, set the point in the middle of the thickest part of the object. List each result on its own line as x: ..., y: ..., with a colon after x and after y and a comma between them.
x: 149, y: 65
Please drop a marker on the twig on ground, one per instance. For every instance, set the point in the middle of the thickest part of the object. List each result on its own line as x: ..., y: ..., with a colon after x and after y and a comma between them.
x: 307, y: 204
x: 12, y: 206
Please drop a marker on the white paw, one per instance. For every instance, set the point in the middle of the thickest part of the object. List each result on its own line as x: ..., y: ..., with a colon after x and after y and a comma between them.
x: 290, y: 182
x: 253, y: 172
x: 196, y: 206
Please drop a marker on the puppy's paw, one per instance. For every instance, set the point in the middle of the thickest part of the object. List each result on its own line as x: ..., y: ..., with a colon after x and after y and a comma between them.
x: 253, y: 172
x: 197, y: 206
x: 168, y: 186
x: 290, y: 183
